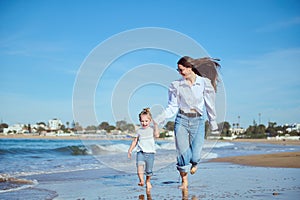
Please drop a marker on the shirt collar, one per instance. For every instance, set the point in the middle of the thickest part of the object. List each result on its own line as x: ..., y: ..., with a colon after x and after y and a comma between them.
x: 182, y: 81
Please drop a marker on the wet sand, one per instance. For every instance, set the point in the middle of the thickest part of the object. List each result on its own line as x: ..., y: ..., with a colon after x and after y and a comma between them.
x: 282, y: 160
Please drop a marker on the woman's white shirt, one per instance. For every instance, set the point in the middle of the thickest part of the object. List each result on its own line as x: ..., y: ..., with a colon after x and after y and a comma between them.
x: 185, y: 97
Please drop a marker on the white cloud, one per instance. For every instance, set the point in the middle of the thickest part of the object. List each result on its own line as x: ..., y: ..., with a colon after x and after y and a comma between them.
x: 280, y: 25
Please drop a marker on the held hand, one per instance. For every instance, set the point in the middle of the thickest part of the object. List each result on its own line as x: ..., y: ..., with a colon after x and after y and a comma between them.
x: 215, y: 132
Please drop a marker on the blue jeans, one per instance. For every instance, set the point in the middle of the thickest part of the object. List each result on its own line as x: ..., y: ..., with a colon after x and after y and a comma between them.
x: 189, y: 138
x: 146, y: 159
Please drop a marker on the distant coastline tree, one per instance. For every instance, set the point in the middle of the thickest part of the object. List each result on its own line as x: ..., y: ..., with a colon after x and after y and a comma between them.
x: 121, y: 125
x: 110, y: 128
x: 224, y: 128
x: 41, y: 123
x: 3, y: 126
x: 29, y: 128
x: 40, y: 130
x: 256, y: 132
x: 124, y: 126
x: 170, y: 126
x: 130, y: 128
x: 103, y: 126
x: 77, y: 127
x: 91, y: 128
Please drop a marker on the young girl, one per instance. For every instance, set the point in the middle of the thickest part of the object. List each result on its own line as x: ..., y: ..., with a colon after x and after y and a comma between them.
x: 144, y: 141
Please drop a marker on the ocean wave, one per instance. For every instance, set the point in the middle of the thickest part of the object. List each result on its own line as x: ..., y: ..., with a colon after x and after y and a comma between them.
x: 9, y: 184
x: 72, y: 150
x: 108, y: 148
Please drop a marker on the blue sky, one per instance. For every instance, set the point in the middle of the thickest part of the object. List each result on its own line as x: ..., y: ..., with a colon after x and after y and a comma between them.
x: 43, y: 46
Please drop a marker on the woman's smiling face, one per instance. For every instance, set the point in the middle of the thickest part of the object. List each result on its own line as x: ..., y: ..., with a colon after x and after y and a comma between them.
x: 185, y: 72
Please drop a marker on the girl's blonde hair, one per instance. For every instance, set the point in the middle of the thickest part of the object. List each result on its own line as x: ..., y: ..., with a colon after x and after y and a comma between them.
x: 145, y: 111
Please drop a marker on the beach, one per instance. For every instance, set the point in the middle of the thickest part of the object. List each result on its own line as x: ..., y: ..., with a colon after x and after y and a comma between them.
x: 247, y: 169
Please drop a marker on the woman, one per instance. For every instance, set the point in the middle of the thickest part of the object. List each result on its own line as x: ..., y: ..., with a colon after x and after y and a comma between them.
x: 188, y: 97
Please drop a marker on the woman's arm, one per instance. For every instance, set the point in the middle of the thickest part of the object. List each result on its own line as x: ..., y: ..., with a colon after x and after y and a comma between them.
x: 156, y: 131
x: 172, y: 106
x: 209, y: 100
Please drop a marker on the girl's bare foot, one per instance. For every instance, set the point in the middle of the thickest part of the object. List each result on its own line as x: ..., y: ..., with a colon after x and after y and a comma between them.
x: 141, y: 184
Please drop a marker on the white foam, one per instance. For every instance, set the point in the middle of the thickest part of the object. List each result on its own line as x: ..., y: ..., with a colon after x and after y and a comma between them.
x: 167, y: 146
x: 216, y: 144
x: 79, y: 168
x: 209, y: 155
x: 113, y: 147
x: 33, y: 183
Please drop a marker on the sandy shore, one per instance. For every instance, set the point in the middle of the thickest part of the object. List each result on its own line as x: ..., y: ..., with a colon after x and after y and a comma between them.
x: 282, y: 160
x: 271, y: 141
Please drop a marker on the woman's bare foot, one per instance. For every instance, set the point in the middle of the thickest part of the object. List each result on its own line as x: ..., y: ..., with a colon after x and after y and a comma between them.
x: 193, y: 169
x: 148, y: 185
x: 141, y: 184
x: 185, y: 194
x: 184, y: 178
x: 184, y: 185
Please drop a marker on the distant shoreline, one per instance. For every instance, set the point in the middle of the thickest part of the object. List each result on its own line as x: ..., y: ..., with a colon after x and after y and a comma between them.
x: 73, y: 137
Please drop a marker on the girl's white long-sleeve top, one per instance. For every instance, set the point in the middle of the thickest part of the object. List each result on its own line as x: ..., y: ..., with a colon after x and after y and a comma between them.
x: 185, y: 97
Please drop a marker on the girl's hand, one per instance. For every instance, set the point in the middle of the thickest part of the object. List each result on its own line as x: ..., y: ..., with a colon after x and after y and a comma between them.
x: 129, y: 154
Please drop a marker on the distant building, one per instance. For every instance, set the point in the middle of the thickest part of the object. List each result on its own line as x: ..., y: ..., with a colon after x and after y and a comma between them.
x: 54, y: 124
x: 237, y: 131
x: 293, y: 127
x: 16, y: 128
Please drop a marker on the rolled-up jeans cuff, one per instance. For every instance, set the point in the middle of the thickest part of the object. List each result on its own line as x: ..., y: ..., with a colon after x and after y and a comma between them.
x: 185, y: 168
x: 149, y: 173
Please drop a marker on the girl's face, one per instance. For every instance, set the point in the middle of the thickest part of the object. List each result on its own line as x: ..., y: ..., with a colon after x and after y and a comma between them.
x: 145, y: 121
x: 185, y: 72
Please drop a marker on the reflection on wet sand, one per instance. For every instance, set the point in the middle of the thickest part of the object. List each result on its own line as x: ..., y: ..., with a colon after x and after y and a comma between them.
x: 148, y: 194
x: 185, y: 195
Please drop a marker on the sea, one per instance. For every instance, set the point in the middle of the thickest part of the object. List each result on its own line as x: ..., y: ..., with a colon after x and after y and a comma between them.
x: 28, y: 164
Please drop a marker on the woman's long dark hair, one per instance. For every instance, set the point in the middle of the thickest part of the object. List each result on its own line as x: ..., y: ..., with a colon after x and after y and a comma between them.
x: 205, y: 67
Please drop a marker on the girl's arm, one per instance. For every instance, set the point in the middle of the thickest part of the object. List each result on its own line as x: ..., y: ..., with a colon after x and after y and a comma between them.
x: 132, y: 146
